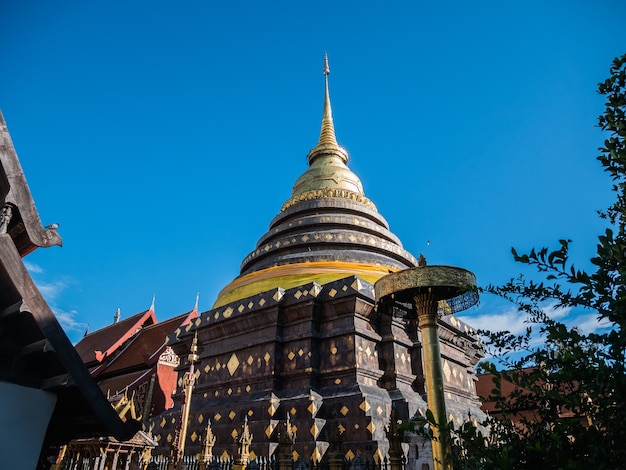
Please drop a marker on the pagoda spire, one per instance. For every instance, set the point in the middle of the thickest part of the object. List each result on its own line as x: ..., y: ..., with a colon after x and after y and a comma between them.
x: 327, y: 134
x: 327, y: 143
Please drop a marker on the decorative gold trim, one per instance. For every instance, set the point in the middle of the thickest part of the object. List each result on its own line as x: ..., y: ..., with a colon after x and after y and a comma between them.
x: 169, y: 358
x: 328, y: 192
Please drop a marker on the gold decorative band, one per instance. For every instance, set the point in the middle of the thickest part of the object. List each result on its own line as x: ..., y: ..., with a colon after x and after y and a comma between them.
x: 293, y: 275
x: 328, y: 192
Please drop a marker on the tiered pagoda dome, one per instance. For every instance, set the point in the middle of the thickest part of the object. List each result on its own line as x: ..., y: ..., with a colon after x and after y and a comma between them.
x: 326, y: 231
x: 297, y: 337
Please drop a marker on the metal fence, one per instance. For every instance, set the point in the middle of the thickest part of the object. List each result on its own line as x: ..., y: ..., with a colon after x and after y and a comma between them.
x: 190, y: 462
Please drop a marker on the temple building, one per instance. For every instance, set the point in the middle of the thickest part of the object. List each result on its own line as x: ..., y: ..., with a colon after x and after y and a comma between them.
x: 135, y: 369
x: 297, y: 337
x: 131, y: 362
x: 48, y: 395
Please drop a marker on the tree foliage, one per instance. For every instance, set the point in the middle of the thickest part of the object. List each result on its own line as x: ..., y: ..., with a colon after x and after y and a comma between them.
x: 567, y: 407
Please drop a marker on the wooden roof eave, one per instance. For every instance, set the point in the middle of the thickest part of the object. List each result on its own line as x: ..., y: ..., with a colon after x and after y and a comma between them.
x: 17, y: 281
x: 25, y: 228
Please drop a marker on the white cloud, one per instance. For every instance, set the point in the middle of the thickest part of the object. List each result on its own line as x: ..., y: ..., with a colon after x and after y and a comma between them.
x: 589, y: 323
x: 67, y: 319
x: 51, y: 290
x: 508, y: 318
x: 33, y: 268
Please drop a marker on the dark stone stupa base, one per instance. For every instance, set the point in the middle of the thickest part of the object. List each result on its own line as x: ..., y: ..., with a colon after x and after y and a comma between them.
x: 321, y: 354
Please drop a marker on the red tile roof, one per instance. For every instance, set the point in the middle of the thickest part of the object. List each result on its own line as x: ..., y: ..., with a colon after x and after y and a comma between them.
x: 146, y: 346
x: 102, y: 343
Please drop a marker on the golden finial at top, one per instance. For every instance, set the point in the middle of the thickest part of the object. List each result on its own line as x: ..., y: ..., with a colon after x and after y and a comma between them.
x: 327, y: 134
x: 328, y: 174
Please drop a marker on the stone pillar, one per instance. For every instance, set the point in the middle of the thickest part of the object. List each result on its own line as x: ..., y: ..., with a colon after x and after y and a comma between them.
x: 428, y: 288
x: 426, y: 306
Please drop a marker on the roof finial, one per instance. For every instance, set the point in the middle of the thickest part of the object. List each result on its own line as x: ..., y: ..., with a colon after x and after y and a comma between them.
x: 327, y: 135
x: 117, y: 315
x: 327, y: 146
x: 197, y: 298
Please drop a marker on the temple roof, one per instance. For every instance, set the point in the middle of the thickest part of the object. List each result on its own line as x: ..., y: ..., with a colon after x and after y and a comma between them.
x: 115, y: 385
x: 327, y: 230
x: 132, y: 349
x: 18, y: 216
x: 96, y: 346
x: 147, y: 345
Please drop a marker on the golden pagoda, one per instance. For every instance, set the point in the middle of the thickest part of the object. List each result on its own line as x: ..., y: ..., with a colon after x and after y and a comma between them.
x: 296, y: 338
x: 327, y: 230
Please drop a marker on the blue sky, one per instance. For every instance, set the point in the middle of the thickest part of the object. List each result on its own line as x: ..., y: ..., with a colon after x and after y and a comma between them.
x: 164, y: 136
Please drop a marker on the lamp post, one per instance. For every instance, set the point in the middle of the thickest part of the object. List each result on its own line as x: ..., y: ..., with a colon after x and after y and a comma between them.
x: 433, y: 291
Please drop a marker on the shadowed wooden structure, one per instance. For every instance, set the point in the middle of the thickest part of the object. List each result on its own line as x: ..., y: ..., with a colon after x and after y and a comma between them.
x: 48, y: 395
